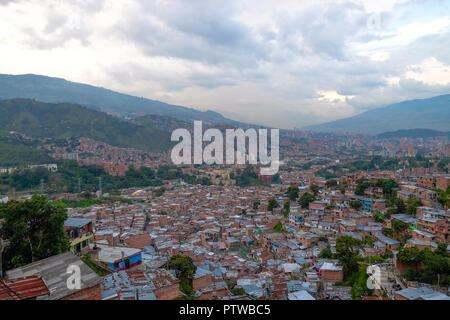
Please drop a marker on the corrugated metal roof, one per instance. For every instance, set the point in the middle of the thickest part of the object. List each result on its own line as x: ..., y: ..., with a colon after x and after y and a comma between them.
x: 76, y: 222
x: 22, y: 288
x: 53, y: 271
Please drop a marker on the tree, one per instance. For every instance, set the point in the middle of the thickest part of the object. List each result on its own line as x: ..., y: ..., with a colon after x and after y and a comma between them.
x: 390, y: 212
x: 359, y: 283
x: 355, y: 204
x: 331, y: 183
x: 272, y: 204
x: 326, y: 253
x: 347, y: 249
x: 237, y: 291
x: 378, y: 217
x: 305, y: 199
x: 388, y: 185
x: 314, y: 188
x: 412, y: 205
x: 398, y: 226
x: 278, y: 227
x: 34, y: 229
x: 256, y: 204
x: 441, y: 249
x: 400, y: 204
x: 444, y: 197
x: 425, y: 265
x: 185, y: 270
x: 287, y: 208
x: 160, y: 191
x: 368, y: 240
x: 276, y: 178
x: 361, y: 187
x: 388, y: 254
x: 293, y: 193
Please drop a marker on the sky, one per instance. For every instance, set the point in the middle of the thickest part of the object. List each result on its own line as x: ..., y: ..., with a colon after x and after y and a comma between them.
x: 280, y: 63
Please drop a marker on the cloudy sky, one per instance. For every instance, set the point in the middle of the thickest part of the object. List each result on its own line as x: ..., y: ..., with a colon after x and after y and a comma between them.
x: 281, y: 63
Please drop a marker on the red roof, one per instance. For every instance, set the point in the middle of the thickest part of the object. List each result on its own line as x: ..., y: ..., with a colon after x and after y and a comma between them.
x: 22, y: 288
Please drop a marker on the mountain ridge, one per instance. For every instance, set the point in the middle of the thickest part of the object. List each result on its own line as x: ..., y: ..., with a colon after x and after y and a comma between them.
x: 429, y: 113
x: 59, y: 90
x: 66, y: 120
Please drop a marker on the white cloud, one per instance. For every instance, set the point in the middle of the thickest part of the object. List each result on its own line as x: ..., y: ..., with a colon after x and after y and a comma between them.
x: 333, y: 96
x: 430, y: 71
x: 285, y: 64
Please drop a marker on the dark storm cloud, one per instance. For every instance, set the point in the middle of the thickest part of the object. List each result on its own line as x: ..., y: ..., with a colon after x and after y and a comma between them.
x: 195, y: 30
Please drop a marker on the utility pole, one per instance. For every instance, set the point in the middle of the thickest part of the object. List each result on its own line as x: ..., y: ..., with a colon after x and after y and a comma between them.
x: 79, y: 185
x: 42, y: 186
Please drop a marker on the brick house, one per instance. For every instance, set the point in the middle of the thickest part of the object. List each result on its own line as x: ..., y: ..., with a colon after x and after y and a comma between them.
x: 138, y: 240
x: 307, y: 239
x: 203, y: 278
x: 331, y: 272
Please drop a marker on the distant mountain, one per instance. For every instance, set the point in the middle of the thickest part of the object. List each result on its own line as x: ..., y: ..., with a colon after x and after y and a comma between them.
x: 64, y: 120
x: 414, y: 133
x: 56, y: 90
x: 432, y: 113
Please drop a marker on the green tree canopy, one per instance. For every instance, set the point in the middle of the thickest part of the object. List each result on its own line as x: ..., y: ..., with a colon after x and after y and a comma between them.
x: 314, y: 188
x: 331, y: 183
x: 293, y: 193
x: 305, y: 199
x: 347, y: 249
x: 34, y: 229
x: 412, y: 205
x: 355, y: 204
x: 326, y: 253
x: 185, y: 270
x: 183, y: 265
x: 278, y: 227
x: 273, y: 203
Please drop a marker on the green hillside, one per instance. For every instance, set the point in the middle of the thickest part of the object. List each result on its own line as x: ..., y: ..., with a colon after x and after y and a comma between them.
x: 64, y: 120
x: 56, y: 90
x: 163, y: 123
x: 16, y: 152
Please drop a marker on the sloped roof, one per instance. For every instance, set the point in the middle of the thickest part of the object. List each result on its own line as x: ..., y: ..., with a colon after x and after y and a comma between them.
x: 22, y: 288
x: 53, y: 271
x: 76, y: 222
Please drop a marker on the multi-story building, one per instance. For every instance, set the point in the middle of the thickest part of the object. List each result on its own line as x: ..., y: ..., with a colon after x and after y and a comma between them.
x: 80, y: 234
